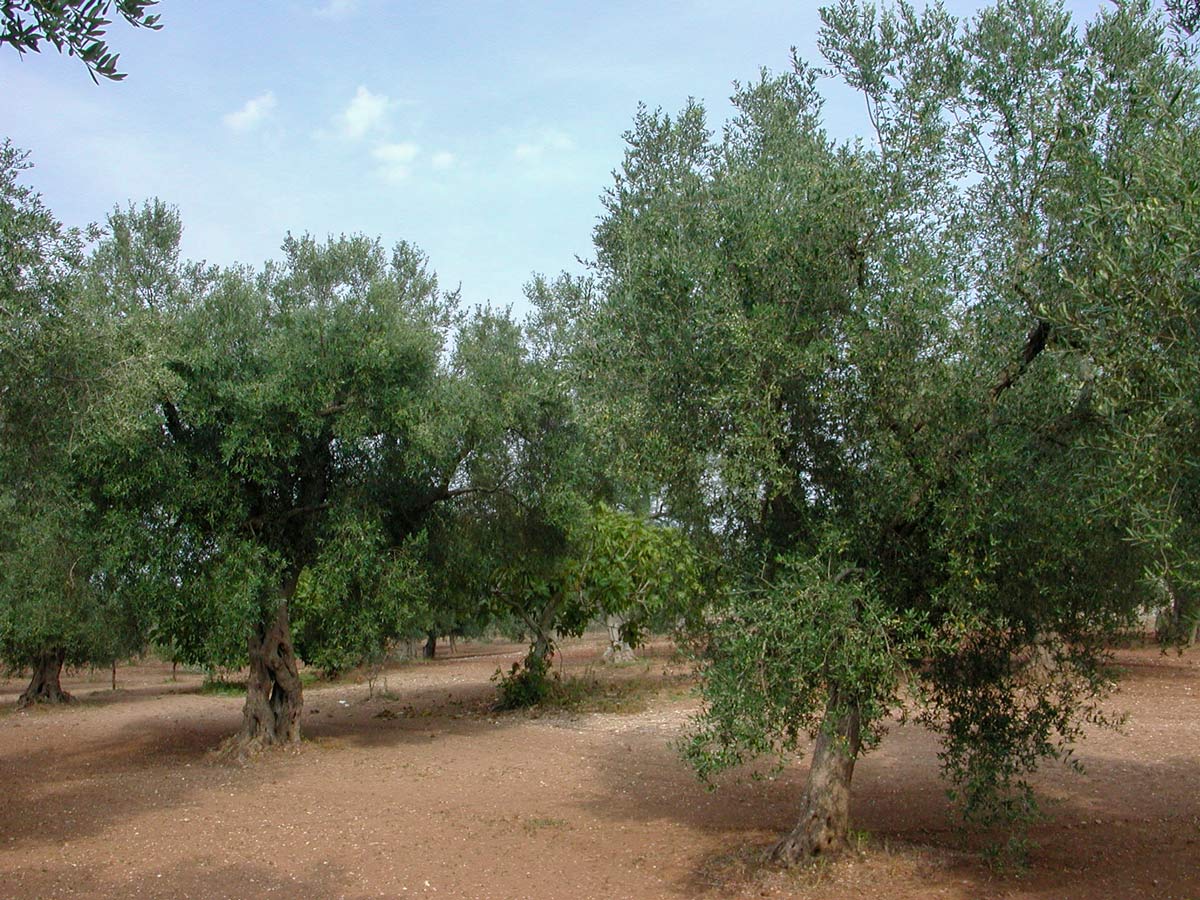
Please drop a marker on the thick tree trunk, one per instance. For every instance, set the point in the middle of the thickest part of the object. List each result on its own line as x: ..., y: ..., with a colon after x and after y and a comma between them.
x: 430, y: 650
x: 274, y: 697
x: 543, y: 627
x: 824, y: 826
x: 618, y: 650
x: 45, y: 685
x: 1187, y: 620
x: 1179, y: 620
x: 541, y: 646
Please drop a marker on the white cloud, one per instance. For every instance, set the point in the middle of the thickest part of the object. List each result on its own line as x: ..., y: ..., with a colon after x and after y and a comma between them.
x: 252, y: 113
x: 549, y: 140
x: 442, y: 160
x: 336, y: 9
x: 395, y: 160
x: 364, y: 114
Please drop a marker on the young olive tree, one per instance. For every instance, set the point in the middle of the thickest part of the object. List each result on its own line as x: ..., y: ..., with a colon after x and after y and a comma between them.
x: 528, y: 538
x: 848, y: 367
x: 522, y: 535
x: 611, y: 565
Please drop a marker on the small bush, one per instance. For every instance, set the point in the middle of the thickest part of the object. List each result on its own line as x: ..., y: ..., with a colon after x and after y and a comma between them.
x: 586, y: 693
x: 526, y: 684
x: 217, y: 685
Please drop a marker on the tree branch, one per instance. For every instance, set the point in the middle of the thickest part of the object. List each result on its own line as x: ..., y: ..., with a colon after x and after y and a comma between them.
x: 1035, y: 343
x: 256, y: 522
x: 175, y: 424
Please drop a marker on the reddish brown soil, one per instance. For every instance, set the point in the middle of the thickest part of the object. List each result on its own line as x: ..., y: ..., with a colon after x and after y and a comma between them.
x: 425, y: 791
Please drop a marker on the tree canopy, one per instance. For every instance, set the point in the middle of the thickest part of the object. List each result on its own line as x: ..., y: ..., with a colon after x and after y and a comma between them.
x: 869, y: 374
x: 69, y: 381
x: 293, y: 405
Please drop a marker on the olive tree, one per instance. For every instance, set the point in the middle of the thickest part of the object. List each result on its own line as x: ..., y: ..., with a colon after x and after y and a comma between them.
x: 520, y: 535
x: 290, y: 404
x: 67, y: 383
x: 1133, y: 288
x: 847, y: 367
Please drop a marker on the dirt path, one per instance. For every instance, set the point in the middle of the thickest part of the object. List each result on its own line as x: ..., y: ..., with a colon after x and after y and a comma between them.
x: 424, y: 791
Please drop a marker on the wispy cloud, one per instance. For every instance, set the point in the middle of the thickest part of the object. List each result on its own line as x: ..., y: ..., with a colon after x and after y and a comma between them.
x: 395, y: 160
x: 442, y: 160
x: 546, y: 142
x: 365, y: 113
x: 336, y: 9
x: 252, y: 113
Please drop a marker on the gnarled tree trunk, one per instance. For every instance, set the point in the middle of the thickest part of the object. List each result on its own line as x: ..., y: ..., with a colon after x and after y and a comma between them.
x: 1179, y: 619
x: 274, y: 698
x: 1185, y: 614
x: 542, y: 627
x: 541, y: 647
x: 430, y: 649
x: 45, y: 685
x: 618, y: 649
x: 824, y: 826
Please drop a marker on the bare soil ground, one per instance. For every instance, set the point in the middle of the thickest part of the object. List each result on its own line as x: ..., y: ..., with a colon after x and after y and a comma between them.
x: 423, y: 790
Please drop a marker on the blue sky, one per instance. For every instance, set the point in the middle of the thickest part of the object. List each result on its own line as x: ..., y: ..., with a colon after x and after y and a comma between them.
x: 483, y: 132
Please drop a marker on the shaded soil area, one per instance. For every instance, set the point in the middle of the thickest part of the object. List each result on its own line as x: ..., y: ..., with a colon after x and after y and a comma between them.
x: 421, y: 789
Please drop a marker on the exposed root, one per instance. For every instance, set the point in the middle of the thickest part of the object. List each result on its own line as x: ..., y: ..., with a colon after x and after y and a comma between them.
x: 40, y: 698
x: 236, y: 750
x: 811, y: 840
x: 45, y: 686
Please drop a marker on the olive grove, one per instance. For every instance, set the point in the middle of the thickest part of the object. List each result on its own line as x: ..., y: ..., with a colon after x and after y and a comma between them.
x: 896, y: 426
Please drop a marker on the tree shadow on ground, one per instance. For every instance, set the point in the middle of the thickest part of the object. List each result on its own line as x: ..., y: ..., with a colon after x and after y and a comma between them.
x: 1128, y: 827
x: 60, y: 788
x: 60, y: 784
x: 196, y: 879
x: 100, y: 694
